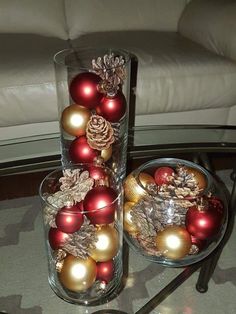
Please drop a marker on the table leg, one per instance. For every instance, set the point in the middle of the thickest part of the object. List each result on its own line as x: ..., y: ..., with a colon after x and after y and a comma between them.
x: 165, y: 292
x: 208, y: 266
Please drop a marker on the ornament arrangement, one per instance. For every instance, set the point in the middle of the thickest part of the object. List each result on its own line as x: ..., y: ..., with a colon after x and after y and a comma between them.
x: 174, y: 211
x: 81, y: 217
x: 93, y: 117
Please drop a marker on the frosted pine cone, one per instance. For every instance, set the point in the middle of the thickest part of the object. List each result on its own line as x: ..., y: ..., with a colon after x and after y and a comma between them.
x: 81, y: 242
x: 180, y: 185
x: 49, y: 214
x: 111, y: 69
x: 74, y: 187
x: 99, y: 132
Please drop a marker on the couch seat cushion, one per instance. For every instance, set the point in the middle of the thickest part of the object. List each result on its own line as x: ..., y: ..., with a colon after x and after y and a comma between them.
x: 174, y: 74
x: 27, y: 80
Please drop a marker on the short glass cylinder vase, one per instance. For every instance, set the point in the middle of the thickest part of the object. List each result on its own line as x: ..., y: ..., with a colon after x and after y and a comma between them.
x: 83, y: 223
x: 175, y: 211
x: 93, y: 91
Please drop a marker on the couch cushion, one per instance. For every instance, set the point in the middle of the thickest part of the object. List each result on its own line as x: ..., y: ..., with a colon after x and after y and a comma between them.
x: 175, y: 74
x: 112, y: 15
x: 211, y: 23
x: 27, y: 81
x: 33, y: 17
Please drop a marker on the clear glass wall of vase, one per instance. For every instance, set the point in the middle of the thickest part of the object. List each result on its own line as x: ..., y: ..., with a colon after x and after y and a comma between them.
x: 83, y: 223
x: 175, y: 211
x: 93, y: 91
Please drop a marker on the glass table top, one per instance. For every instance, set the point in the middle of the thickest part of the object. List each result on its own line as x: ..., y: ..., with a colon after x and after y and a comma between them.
x: 24, y: 283
x: 149, y: 140
x: 143, y: 141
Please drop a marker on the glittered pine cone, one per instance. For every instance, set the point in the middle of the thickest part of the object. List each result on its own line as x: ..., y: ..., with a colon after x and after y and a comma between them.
x: 99, y: 132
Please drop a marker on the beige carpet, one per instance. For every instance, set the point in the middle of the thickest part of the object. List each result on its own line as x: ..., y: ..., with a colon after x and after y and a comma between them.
x: 24, y: 288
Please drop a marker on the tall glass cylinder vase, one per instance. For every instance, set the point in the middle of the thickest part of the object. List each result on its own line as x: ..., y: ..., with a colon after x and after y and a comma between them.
x: 83, y: 223
x: 93, y: 88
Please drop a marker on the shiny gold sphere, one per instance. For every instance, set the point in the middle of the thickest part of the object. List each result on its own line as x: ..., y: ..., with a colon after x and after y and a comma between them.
x: 74, y: 119
x: 78, y: 274
x: 106, y: 153
x: 133, y: 191
x: 199, y: 177
x: 173, y: 242
x: 107, y: 244
x: 129, y: 226
x: 146, y: 179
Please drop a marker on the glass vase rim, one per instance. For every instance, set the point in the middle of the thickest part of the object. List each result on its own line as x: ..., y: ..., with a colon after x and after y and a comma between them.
x: 67, y: 51
x: 61, y: 168
x: 175, y: 161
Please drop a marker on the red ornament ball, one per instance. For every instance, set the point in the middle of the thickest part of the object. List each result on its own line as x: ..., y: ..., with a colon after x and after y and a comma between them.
x: 80, y: 206
x: 96, y: 172
x: 162, y: 175
x: 105, y: 271
x: 80, y: 151
x: 69, y: 219
x: 99, y: 202
x: 57, y: 238
x: 84, y: 89
x: 112, y: 108
x: 204, y: 222
x: 198, y: 242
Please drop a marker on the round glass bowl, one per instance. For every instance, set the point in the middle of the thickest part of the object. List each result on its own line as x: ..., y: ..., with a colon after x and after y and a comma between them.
x: 82, y: 214
x: 175, y: 212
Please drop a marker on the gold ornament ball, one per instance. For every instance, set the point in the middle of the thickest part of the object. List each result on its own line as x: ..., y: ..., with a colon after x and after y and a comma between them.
x: 173, y: 242
x: 199, y: 177
x: 78, y: 274
x: 107, y: 244
x: 74, y: 119
x: 146, y: 179
x: 129, y: 226
x: 133, y: 191
x: 106, y: 153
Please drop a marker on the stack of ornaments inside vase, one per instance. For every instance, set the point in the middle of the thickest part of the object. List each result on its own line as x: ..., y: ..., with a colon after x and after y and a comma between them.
x: 94, y: 124
x: 83, y: 226
x: 173, y: 211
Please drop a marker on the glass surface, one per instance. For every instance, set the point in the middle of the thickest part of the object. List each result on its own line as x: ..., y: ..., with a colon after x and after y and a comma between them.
x: 148, y: 140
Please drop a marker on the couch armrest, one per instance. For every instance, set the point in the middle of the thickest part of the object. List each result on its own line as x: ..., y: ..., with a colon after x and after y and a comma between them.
x: 211, y: 23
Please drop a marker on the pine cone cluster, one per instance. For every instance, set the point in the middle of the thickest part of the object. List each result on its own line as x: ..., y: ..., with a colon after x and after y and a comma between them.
x: 111, y: 69
x: 81, y: 242
x: 180, y: 185
x: 99, y: 132
x: 142, y: 216
x: 74, y: 187
x: 49, y: 214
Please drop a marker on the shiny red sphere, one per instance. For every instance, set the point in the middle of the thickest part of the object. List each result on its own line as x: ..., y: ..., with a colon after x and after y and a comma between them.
x: 96, y: 172
x: 112, y: 108
x: 69, y: 219
x: 98, y: 203
x: 80, y: 151
x: 105, y: 271
x: 80, y: 206
x: 84, y: 90
x: 198, y: 242
x: 162, y: 175
x: 204, y: 224
x: 57, y: 238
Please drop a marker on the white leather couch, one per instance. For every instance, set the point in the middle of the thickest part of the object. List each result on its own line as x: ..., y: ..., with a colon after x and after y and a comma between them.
x: 186, y: 61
